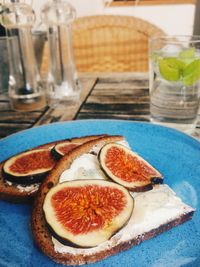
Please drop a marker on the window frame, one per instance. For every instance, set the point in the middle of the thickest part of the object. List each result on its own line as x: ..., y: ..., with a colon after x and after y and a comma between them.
x: 118, y: 3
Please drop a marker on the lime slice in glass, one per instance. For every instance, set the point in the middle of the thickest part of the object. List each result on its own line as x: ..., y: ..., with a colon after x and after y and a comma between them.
x: 191, y: 73
x: 171, y: 68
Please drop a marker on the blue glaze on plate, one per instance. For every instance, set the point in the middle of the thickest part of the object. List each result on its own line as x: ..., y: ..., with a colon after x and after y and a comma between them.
x: 175, y: 155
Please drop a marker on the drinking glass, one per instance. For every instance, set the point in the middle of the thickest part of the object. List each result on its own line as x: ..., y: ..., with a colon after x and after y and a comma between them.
x: 175, y: 81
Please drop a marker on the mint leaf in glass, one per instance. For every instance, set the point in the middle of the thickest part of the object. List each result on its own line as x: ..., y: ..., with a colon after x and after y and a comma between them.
x: 188, y: 55
x: 191, y: 73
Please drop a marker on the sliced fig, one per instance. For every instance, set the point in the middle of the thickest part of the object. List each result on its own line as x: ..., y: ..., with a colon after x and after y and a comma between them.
x: 28, y: 167
x: 127, y: 168
x: 85, y: 213
x: 61, y: 149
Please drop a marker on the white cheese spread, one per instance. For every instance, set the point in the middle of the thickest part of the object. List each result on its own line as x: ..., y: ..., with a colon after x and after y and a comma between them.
x: 84, y: 167
x: 28, y: 188
x: 9, y: 183
x: 25, y: 188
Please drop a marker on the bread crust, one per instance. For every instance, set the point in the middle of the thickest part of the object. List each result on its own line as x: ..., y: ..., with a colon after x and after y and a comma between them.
x: 11, y: 193
x: 42, y: 235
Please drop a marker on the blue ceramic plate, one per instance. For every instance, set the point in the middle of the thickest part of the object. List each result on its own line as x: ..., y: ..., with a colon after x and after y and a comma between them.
x: 174, y: 154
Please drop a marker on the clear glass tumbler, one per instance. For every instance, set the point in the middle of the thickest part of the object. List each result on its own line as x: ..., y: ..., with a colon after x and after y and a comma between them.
x: 175, y: 81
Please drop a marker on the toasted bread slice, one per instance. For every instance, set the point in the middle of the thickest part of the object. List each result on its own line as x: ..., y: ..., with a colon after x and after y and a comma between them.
x: 24, y: 193
x: 139, y: 228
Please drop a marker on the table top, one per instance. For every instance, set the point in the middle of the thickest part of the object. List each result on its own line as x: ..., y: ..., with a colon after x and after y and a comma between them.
x: 104, y: 96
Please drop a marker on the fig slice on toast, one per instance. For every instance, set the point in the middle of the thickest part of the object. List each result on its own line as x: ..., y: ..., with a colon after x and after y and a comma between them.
x: 28, y: 167
x: 61, y: 149
x: 127, y: 168
x: 85, y: 213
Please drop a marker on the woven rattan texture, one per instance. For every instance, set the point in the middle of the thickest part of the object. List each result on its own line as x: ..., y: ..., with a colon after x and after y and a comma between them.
x: 110, y: 43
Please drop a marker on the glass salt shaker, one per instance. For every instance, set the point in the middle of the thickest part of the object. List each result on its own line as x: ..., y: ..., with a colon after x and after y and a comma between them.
x: 63, y: 83
x: 26, y: 90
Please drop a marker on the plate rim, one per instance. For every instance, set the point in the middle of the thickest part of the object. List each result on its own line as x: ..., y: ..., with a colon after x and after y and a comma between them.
x: 148, y: 124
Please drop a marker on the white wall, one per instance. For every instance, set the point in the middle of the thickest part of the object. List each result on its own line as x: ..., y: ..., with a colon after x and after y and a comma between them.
x: 173, y: 19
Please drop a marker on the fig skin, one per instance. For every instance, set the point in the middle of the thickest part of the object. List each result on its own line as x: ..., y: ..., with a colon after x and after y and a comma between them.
x: 63, y: 240
x: 94, y: 236
x: 56, y: 154
x: 157, y: 180
x: 25, y: 180
x: 139, y: 186
x: 69, y: 243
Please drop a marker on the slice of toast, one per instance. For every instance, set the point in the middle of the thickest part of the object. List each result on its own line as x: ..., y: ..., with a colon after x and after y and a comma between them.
x: 141, y: 226
x: 19, y: 193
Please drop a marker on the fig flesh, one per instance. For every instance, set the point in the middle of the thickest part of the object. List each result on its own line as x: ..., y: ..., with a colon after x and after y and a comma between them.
x: 127, y: 168
x: 61, y: 149
x: 28, y: 167
x: 85, y: 213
